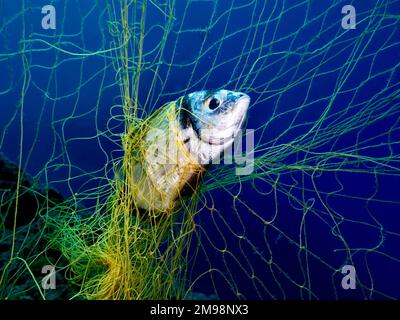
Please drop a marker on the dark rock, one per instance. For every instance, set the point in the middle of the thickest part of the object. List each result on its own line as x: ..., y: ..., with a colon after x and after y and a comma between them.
x: 30, y: 199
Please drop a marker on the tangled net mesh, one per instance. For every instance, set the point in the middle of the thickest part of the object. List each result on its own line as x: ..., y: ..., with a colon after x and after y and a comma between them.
x: 76, y: 107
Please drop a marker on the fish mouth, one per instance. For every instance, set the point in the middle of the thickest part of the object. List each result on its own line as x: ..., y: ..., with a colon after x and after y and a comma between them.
x: 242, y: 103
x: 243, y: 97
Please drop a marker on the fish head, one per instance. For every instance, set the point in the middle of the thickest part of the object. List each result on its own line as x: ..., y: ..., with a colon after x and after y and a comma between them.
x: 216, y: 116
x: 212, y: 120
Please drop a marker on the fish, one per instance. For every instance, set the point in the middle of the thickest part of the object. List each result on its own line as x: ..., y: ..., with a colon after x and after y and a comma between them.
x: 179, y: 141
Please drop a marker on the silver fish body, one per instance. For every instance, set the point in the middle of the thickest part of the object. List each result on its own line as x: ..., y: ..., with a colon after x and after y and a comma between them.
x: 183, y: 137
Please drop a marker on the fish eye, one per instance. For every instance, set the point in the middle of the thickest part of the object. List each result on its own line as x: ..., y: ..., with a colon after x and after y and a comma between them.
x: 214, y: 104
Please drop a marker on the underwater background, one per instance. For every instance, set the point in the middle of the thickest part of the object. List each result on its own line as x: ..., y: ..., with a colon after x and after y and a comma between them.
x: 325, y: 111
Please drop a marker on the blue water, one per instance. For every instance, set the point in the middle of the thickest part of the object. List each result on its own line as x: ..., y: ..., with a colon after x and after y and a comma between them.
x: 286, y: 40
